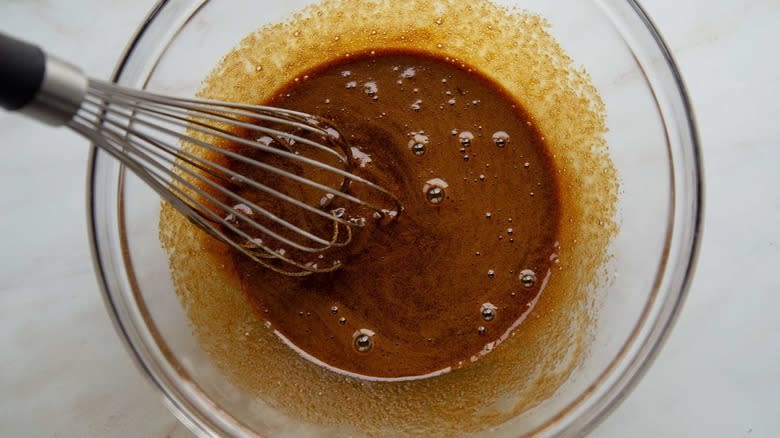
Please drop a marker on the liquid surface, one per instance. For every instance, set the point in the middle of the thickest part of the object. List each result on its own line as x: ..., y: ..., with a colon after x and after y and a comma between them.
x: 297, y: 397
x: 447, y: 280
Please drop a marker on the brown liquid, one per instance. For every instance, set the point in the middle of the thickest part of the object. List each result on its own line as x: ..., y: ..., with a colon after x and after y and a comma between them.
x: 438, y: 287
x: 512, y: 48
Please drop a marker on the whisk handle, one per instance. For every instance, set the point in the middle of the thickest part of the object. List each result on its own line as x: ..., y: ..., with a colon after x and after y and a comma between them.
x: 22, y: 72
x: 38, y: 85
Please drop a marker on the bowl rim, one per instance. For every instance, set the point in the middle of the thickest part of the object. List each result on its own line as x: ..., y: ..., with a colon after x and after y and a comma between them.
x: 609, y: 388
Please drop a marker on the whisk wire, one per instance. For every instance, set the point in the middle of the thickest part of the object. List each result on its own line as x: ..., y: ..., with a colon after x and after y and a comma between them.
x: 170, y: 160
x: 195, y: 210
x: 234, y: 175
x: 231, y: 114
x: 206, y: 129
x: 236, y: 110
x: 117, y: 120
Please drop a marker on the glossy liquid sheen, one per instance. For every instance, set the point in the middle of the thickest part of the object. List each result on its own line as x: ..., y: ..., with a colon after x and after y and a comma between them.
x: 459, y: 269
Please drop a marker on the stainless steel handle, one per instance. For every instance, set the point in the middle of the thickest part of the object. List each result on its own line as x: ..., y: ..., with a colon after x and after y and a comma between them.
x: 62, y: 91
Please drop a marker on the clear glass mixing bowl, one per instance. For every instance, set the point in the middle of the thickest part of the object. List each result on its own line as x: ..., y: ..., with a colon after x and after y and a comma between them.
x: 653, y: 145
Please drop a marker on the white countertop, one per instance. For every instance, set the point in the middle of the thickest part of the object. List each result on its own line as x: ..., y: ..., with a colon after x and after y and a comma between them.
x: 64, y: 372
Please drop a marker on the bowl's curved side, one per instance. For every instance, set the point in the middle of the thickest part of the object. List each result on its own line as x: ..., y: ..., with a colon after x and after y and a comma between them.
x: 682, y: 248
x: 611, y: 387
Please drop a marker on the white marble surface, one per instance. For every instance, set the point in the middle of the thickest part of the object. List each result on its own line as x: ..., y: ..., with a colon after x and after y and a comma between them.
x: 63, y: 371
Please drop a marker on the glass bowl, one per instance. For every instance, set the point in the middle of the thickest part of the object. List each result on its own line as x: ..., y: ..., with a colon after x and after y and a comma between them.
x: 653, y: 145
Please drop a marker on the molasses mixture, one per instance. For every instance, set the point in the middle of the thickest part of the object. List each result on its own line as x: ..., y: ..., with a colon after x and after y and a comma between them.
x: 448, y: 279
x: 493, y: 138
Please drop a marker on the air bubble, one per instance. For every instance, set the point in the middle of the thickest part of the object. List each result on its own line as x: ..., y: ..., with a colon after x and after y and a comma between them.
x: 418, y: 149
x: 481, y: 330
x: 332, y: 132
x: 527, y: 277
x: 338, y: 212
x: 389, y: 213
x: 491, y: 273
x: 334, y: 310
x: 435, y: 195
x: 500, y: 138
x: 265, y: 140
x: 363, y: 343
x: 357, y: 221
x: 526, y: 164
x: 488, y: 215
x: 342, y: 320
x: 325, y: 200
x: 408, y: 73
x: 488, y: 311
x: 465, y: 138
x: 243, y: 208
x: 434, y: 190
x: 418, y: 137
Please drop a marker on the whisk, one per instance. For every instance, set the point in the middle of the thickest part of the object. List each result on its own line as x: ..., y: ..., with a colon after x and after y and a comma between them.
x: 275, y: 184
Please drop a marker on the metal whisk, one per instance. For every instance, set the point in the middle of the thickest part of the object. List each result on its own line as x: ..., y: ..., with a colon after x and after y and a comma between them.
x: 275, y: 184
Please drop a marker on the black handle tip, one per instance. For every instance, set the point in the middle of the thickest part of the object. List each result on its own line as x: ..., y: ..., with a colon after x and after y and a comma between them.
x: 22, y: 67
